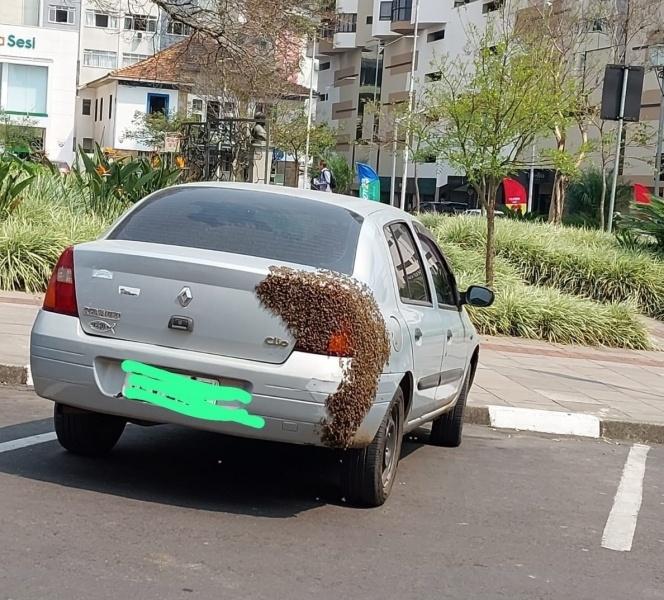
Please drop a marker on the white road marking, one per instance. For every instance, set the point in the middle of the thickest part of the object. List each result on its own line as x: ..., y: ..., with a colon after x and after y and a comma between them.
x: 621, y: 524
x: 27, y: 441
x: 544, y: 421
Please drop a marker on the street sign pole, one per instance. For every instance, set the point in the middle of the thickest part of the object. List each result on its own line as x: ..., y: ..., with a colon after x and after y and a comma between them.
x: 621, y: 118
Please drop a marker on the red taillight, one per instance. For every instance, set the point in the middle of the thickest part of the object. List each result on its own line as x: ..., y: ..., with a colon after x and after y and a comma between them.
x: 61, y: 292
x: 338, y: 344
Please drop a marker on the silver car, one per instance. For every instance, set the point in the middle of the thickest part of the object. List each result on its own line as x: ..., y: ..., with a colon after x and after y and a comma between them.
x: 172, y: 285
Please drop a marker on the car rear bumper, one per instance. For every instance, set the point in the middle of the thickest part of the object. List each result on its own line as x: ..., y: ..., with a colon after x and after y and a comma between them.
x: 77, y: 369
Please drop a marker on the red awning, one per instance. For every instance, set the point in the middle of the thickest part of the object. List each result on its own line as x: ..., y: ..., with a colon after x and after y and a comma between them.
x: 641, y: 194
x: 514, y: 193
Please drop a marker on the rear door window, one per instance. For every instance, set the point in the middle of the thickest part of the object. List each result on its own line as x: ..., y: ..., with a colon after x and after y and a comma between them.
x: 411, y: 277
x: 442, y: 278
x: 249, y: 222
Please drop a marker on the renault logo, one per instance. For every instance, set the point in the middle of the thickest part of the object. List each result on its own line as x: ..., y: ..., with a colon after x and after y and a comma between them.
x: 185, y: 297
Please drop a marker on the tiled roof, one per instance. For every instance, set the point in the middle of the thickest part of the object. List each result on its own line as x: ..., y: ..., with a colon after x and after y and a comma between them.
x: 180, y: 64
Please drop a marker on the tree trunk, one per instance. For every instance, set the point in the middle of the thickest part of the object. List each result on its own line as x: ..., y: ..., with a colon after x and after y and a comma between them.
x: 417, y: 189
x: 558, y: 199
x: 602, y: 202
x: 491, y: 190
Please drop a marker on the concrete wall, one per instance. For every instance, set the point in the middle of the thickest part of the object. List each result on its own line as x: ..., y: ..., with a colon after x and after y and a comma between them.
x: 130, y: 100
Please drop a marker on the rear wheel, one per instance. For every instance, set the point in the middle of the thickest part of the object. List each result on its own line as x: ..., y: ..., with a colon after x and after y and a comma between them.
x: 87, y: 433
x: 447, y: 429
x: 369, y: 473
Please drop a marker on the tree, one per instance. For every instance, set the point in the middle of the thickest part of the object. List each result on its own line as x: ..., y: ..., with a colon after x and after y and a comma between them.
x: 564, y: 26
x: 19, y: 134
x: 636, y: 137
x: 150, y: 129
x: 489, y: 109
x: 418, y: 131
x: 245, y: 46
x: 289, y: 134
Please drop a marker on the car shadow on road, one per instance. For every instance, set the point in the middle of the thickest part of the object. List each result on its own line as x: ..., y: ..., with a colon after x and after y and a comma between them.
x: 195, y: 469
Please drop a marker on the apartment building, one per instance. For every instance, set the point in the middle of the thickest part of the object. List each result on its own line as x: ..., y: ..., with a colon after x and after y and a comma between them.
x: 367, y: 55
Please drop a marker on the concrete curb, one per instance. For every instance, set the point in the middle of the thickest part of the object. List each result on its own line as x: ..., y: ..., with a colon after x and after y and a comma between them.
x: 498, y: 417
x: 560, y: 423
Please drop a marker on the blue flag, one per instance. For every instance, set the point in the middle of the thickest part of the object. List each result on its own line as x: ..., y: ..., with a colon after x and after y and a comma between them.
x: 369, y: 182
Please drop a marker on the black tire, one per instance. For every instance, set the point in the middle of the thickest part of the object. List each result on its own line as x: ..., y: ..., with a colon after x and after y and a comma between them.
x: 447, y: 430
x: 368, y: 473
x: 86, y: 433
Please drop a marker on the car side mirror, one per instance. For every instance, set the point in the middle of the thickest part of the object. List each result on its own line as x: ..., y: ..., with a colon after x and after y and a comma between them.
x: 478, y: 296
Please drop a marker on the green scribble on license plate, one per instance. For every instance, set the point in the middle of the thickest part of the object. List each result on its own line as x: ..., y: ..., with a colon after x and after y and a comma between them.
x: 187, y: 396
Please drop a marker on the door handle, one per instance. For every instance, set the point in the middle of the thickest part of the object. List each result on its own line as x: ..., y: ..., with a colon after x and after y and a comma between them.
x: 450, y: 335
x: 418, y: 334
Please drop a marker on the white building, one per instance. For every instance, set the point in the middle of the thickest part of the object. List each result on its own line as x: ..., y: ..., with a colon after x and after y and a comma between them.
x: 38, y: 49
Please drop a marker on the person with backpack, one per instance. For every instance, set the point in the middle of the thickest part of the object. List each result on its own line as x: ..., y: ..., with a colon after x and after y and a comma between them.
x: 325, y: 181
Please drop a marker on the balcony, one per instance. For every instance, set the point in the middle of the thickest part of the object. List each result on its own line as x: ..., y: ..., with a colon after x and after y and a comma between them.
x: 339, y: 36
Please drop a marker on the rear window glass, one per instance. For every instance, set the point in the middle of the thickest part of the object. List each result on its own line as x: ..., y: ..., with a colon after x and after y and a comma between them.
x: 249, y: 222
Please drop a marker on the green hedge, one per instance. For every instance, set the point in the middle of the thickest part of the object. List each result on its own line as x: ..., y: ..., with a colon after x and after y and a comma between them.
x: 34, y: 235
x: 577, y: 261
x: 543, y: 313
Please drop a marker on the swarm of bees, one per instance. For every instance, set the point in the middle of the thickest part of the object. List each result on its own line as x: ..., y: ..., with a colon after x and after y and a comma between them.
x: 330, y: 313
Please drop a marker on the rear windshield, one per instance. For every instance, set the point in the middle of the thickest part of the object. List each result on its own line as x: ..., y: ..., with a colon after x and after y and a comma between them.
x: 249, y: 222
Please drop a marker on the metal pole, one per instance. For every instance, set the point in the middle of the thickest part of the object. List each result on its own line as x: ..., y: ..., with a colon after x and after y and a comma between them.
x: 660, y: 137
x: 309, y: 115
x: 531, y: 182
x: 376, y: 115
x: 614, y: 183
x: 393, y: 182
x: 411, y: 102
x: 268, y: 153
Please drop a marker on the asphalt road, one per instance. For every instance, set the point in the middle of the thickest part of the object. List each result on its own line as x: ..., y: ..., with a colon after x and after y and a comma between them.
x: 176, y: 514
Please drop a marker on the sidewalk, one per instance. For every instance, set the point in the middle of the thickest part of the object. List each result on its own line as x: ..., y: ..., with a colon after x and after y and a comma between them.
x: 619, y: 392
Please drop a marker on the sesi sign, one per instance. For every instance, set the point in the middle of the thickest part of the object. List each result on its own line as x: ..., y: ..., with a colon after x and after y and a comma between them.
x: 12, y: 41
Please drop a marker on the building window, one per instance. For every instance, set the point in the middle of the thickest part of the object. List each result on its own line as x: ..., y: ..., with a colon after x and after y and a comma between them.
x: 96, y: 109
x: 101, y: 109
x: 88, y: 145
x: 104, y: 20
x: 157, y: 103
x: 370, y: 20
x: 129, y: 58
x: 599, y: 25
x: 385, y: 11
x: 324, y: 66
x: 492, y: 6
x: 347, y: 23
x: 436, y: 35
x: 110, y: 106
x: 61, y: 14
x: 323, y: 98
x: 177, y: 28
x: 103, y: 59
x: 402, y: 10
x: 140, y: 23
x: 196, y: 112
x: 86, y: 107
x: 27, y: 86
x: 435, y: 76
